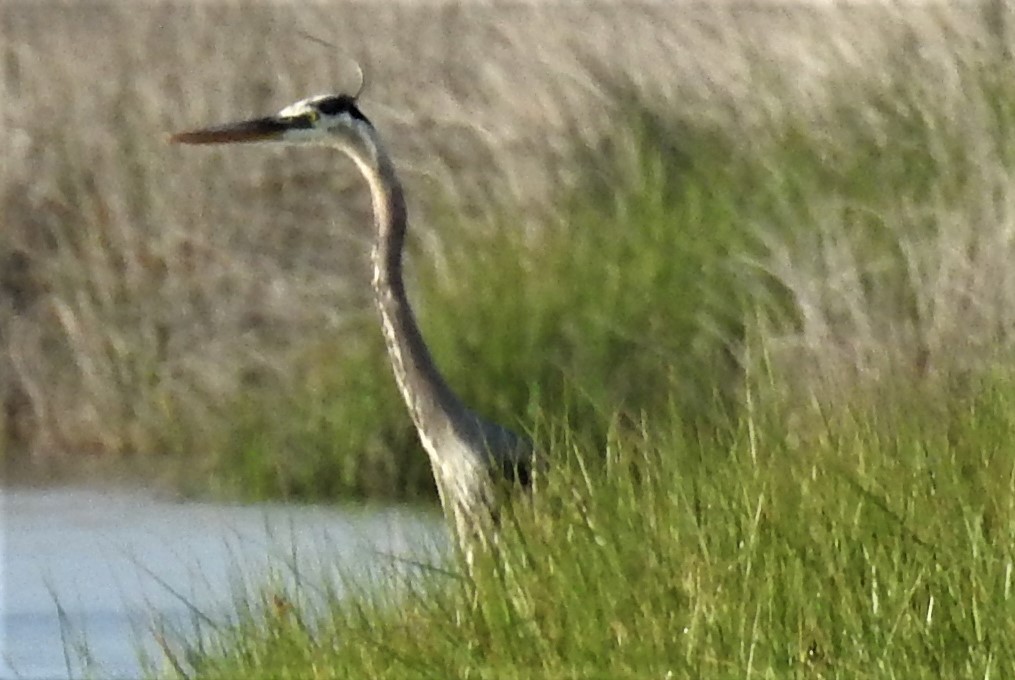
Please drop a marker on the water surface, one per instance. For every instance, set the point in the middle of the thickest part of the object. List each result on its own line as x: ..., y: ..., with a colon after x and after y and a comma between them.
x: 112, y: 560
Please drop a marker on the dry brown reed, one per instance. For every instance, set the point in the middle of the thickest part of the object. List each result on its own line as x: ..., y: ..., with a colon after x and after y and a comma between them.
x: 141, y: 285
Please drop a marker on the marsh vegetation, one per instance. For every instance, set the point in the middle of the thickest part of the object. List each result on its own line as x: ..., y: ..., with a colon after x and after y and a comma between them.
x: 746, y: 277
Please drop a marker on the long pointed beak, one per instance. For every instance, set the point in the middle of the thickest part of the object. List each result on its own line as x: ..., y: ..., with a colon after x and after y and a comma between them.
x: 257, y: 130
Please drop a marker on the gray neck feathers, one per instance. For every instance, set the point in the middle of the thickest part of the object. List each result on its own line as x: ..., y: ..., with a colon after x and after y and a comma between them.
x: 431, y: 402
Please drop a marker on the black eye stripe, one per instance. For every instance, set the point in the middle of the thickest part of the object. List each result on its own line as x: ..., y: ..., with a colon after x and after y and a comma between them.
x: 334, y: 105
x: 343, y: 103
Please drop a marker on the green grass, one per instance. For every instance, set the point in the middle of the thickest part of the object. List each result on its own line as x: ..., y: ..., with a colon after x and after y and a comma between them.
x: 874, y: 542
x: 682, y: 236
x: 727, y: 496
x: 843, y: 200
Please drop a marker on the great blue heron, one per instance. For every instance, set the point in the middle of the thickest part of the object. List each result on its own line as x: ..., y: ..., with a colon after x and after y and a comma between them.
x: 471, y: 457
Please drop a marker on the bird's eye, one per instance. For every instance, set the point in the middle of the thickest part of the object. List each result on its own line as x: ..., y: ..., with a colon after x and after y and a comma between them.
x: 313, y: 115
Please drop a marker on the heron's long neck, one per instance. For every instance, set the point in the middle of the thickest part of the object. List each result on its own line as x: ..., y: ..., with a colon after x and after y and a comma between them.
x: 431, y: 402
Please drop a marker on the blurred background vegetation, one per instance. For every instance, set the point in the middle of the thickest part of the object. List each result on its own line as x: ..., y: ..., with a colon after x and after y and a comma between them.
x: 618, y: 212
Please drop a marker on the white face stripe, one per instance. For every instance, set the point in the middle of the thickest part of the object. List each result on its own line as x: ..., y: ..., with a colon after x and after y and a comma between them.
x: 303, y: 106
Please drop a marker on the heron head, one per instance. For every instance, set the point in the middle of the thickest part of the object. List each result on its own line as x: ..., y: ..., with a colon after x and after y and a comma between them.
x: 323, y: 119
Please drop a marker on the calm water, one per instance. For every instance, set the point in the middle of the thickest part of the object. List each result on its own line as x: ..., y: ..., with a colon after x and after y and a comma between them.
x: 111, y: 559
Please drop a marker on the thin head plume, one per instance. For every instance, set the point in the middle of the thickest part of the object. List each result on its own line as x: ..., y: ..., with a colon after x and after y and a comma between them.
x: 359, y: 68
x: 362, y: 79
x: 313, y: 38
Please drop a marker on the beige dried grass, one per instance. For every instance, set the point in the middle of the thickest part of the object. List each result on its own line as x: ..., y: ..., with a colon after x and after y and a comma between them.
x: 144, y: 284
